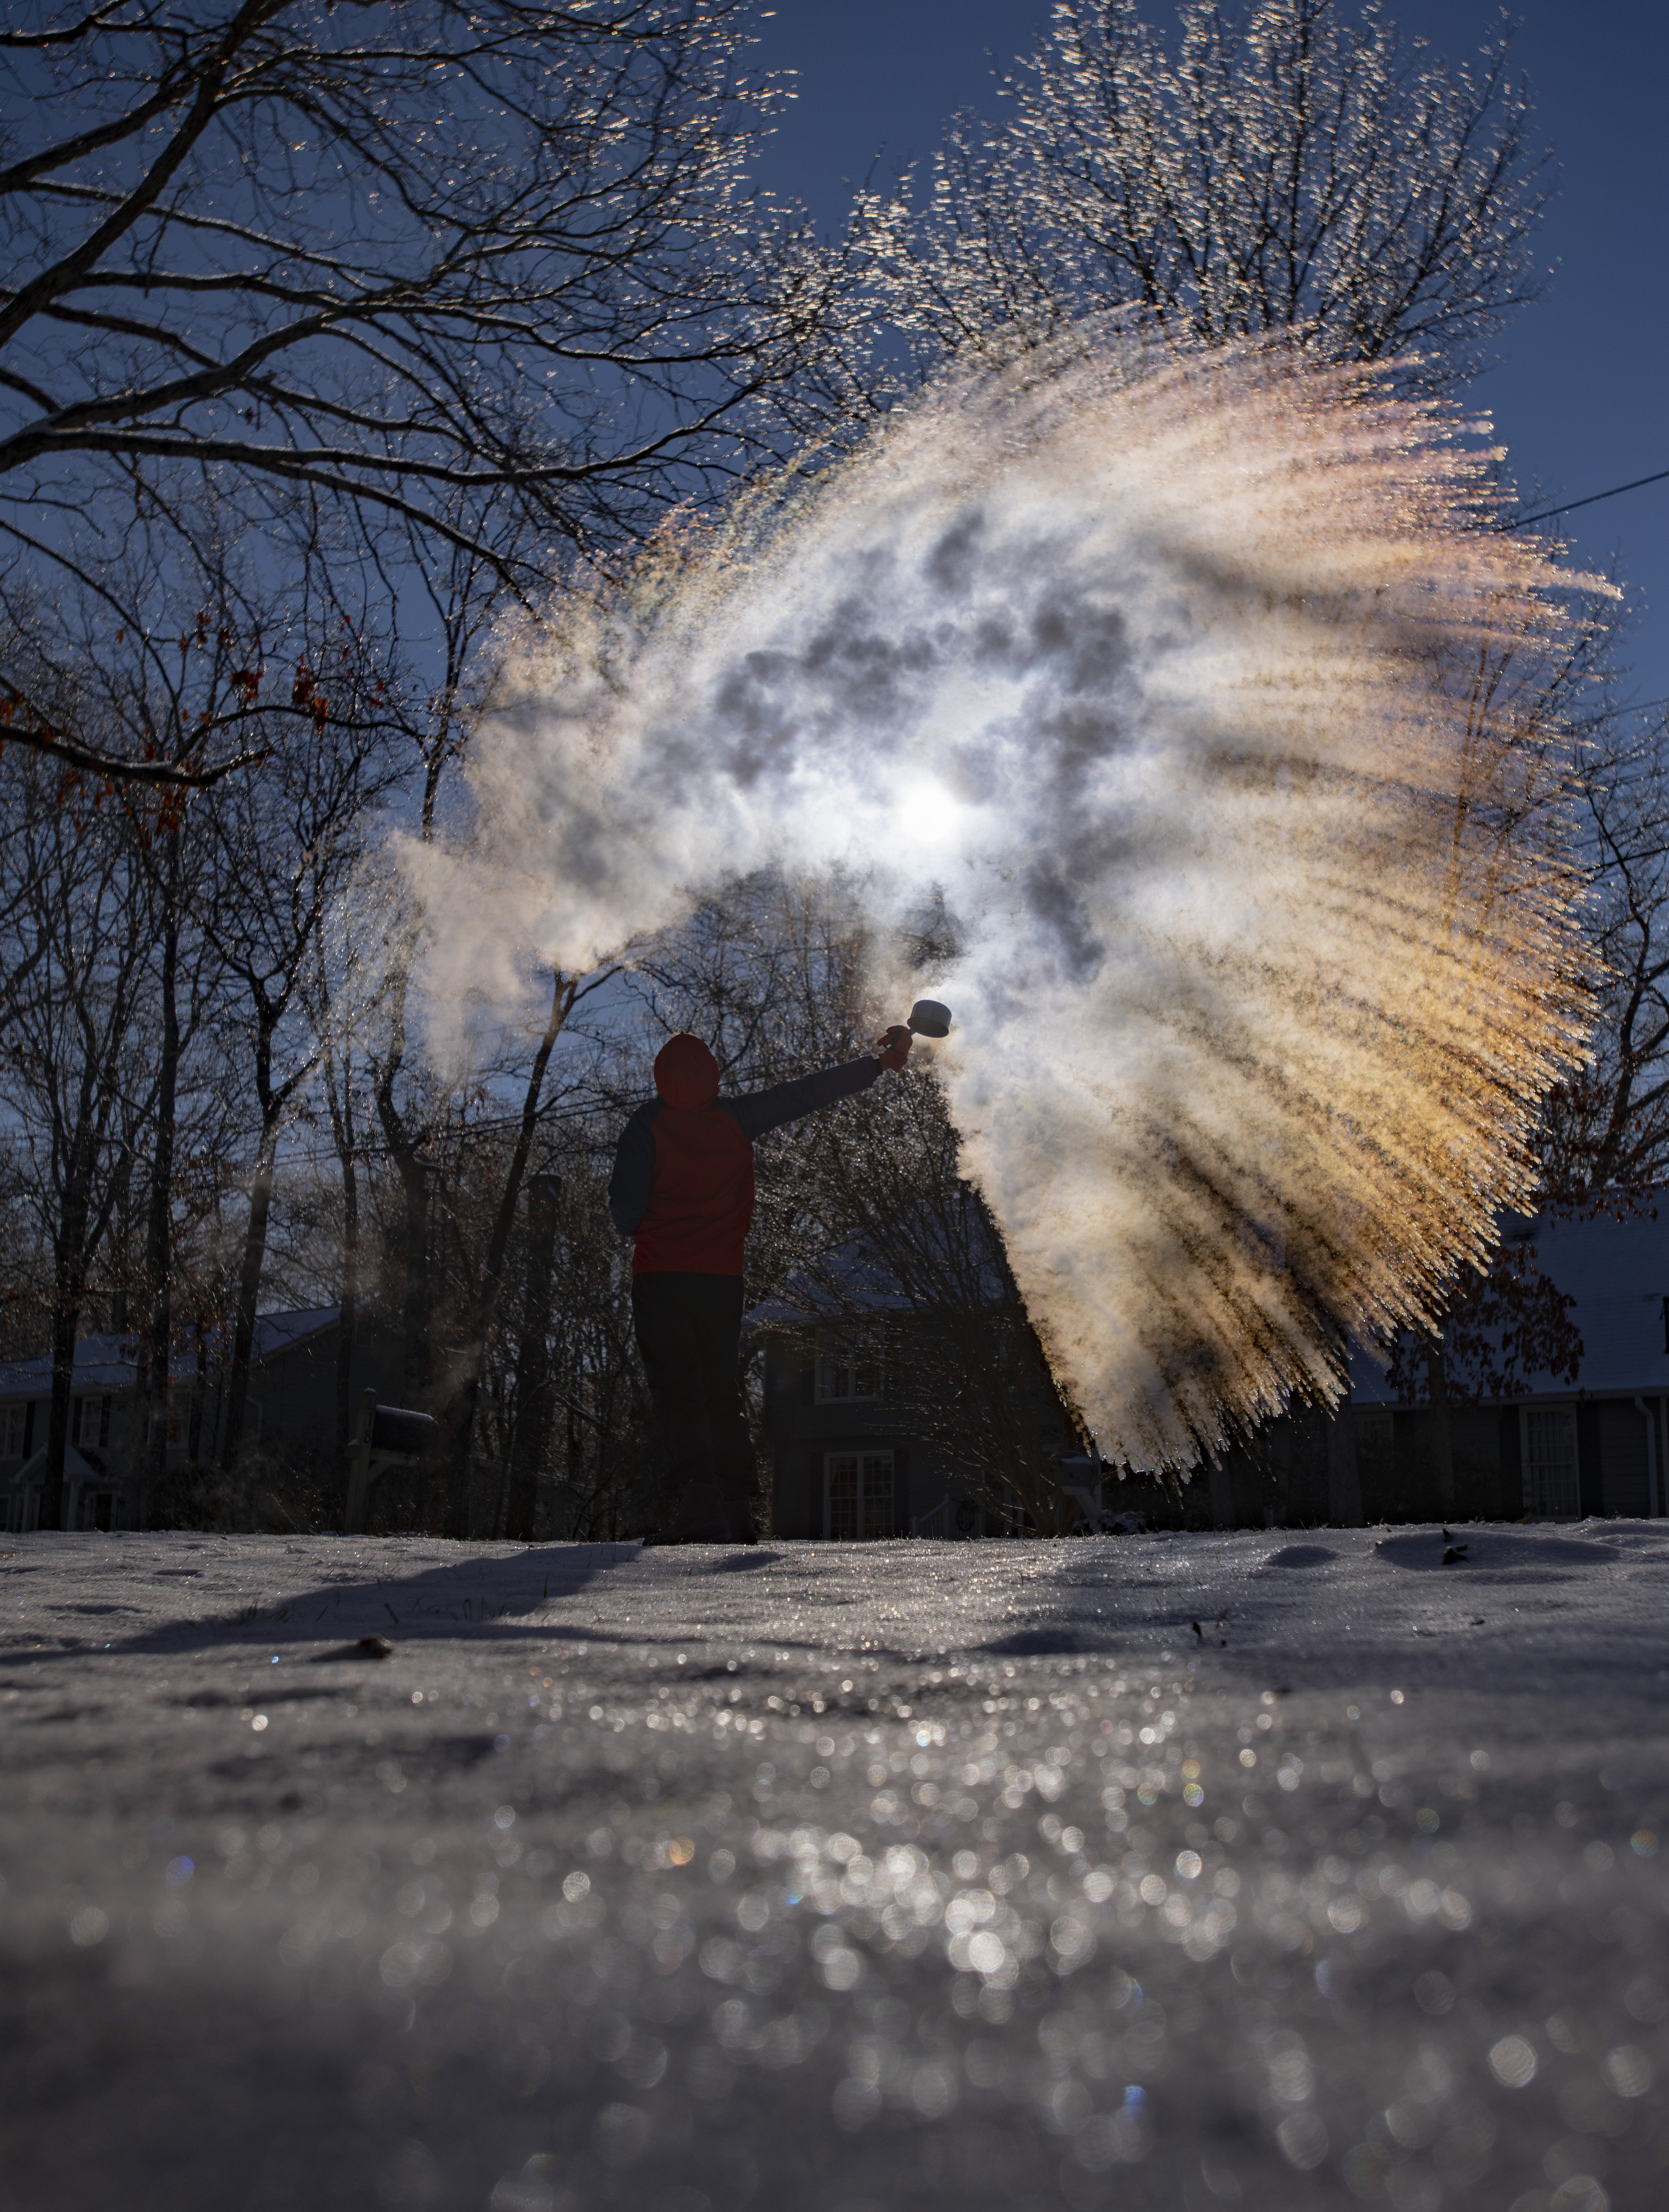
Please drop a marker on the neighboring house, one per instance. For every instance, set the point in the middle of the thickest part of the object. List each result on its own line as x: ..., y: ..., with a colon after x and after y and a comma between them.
x: 1560, y: 1451
x: 841, y: 1457
x: 845, y: 1463
x: 292, y: 1402
x: 103, y: 1442
x: 848, y: 1459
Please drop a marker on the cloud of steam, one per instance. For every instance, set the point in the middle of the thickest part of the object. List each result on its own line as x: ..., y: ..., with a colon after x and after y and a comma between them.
x: 1203, y: 691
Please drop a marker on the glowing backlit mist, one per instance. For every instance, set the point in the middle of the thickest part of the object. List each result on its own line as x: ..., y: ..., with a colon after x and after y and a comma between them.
x: 1205, y: 693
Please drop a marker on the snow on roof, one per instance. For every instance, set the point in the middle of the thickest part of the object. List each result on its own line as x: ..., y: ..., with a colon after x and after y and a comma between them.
x: 853, y: 1277
x: 277, y: 1331
x: 102, y: 1363
x: 849, y: 1280
x: 111, y: 1362
x: 1617, y: 1271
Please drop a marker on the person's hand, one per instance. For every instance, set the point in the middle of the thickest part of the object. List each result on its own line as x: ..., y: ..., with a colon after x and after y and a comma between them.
x: 894, y: 1048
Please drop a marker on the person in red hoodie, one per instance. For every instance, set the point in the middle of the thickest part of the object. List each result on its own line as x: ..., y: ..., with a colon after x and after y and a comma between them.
x: 682, y: 1188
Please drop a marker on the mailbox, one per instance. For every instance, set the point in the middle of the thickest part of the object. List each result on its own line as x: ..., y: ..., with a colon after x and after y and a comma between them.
x: 396, y: 1429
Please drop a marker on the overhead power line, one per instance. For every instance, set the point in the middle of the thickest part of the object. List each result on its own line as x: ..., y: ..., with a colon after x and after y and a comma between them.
x: 1546, y: 513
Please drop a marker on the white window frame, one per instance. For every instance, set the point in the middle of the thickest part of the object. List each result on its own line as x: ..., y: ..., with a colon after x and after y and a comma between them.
x: 863, y: 1461
x: 1561, y: 1498
x: 847, y: 1358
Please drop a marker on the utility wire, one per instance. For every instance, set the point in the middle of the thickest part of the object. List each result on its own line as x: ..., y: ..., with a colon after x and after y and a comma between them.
x: 1523, y: 521
x: 1608, y: 713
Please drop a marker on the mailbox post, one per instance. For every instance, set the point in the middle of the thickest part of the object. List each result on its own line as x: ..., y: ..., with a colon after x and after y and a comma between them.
x: 389, y: 1435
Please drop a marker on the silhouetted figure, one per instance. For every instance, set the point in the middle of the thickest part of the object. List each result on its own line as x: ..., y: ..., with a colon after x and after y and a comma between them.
x: 682, y: 1188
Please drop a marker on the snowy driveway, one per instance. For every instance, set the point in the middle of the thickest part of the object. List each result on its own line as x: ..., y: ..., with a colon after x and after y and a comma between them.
x: 885, y: 1879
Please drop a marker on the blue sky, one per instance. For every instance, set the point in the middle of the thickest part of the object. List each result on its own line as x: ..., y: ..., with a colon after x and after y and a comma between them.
x: 1579, y: 395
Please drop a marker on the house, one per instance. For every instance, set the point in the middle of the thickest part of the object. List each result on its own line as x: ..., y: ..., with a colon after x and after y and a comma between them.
x: 292, y: 1402
x: 1555, y: 1449
x: 1562, y: 1449
x: 103, y: 1443
x: 845, y: 1463
x: 851, y: 1456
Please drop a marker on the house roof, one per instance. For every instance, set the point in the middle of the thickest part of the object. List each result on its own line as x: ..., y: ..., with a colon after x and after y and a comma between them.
x: 278, y: 1332
x: 1617, y: 1272
x: 111, y: 1362
x: 851, y: 1277
x: 75, y: 1469
x: 1614, y: 1265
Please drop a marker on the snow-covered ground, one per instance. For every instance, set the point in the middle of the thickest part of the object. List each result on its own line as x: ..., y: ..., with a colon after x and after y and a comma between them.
x: 849, y: 1879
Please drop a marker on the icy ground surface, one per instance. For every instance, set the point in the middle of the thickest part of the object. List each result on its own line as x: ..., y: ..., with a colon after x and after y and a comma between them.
x: 847, y: 1878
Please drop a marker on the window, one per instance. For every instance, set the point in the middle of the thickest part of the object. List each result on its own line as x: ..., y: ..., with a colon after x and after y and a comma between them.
x: 849, y: 1367
x: 17, y: 1430
x: 1551, y: 1490
x: 76, y: 1405
x: 104, y: 1420
x: 857, y: 1488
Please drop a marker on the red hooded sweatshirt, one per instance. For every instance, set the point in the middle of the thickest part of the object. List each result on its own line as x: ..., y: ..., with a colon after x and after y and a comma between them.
x: 683, y: 1177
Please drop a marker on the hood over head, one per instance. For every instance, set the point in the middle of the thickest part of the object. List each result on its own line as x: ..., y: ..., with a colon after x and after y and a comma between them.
x: 686, y: 1072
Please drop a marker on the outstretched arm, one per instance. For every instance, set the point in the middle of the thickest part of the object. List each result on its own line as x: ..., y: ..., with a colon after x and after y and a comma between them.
x: 760, y: 1110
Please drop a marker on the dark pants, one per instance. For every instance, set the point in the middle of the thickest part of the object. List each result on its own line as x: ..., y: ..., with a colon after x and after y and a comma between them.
x: 688, y: 1331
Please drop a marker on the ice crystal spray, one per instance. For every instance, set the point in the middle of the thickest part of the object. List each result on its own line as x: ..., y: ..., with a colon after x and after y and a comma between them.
x: 1204, y: 689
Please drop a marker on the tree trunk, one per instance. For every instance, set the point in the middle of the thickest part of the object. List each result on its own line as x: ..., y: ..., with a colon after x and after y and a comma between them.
x: 414, y: 1174
x: 199, y: 1393
x: 66, y: 1322
x: 155, y: 1342
x: 1442, y: 1454
x: 249, y: 1288
x: 416, y: 1364
x: 459, y: 1426
x: 533, y: 1407
x: 69, y: 1289
x: 341, y: 1128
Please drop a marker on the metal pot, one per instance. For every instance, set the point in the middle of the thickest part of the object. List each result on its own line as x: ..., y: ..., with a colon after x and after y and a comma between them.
x: 929, y: 1020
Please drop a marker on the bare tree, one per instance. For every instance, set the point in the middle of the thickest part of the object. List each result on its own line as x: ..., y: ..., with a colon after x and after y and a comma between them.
x: 81, y: 1085
x: 285, y: 847
x: 563, y: 1416
x: 400, y: 254
x: 337, y: 1065
x: 458, y: 588
x: 1607, y: 1125
x: 187, y: 1006
x: 25, y: 937
x: 485, y: 1291
x: 1277, y: 167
